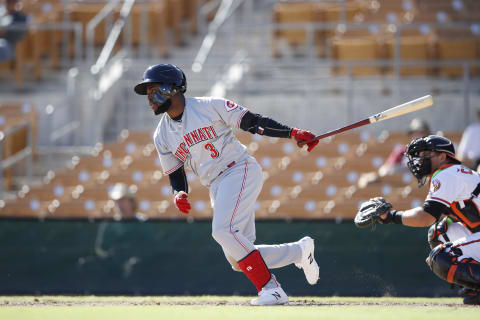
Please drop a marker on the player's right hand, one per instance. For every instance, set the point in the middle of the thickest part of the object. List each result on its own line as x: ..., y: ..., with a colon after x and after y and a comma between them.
x: 304, y: 137
x: 181, y: 202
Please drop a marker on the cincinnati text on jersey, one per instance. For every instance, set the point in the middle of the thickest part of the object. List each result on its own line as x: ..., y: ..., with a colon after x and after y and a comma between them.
x: 182, y: 152
x: 199, y: 135
x: 192, y: 138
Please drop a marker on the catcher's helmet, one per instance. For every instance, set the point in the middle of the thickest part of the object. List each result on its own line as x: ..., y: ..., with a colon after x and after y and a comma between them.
x: 431, y: 143
x: 172, y: 78
x: 421, y: 166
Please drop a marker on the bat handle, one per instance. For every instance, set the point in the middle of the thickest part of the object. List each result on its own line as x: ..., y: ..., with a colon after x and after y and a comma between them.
x: 336, y: 131
x: 304, y: 142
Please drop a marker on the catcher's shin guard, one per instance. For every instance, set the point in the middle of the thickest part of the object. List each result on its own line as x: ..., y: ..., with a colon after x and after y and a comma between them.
x: 446, y: 266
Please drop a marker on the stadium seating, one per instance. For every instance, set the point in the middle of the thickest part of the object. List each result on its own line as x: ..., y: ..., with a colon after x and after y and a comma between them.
x: 24, y: 208
x: 46, y: 192
x: 23, y: 117
x: 376, y: 41
x: 411, y: 48
x: 352, y: 49
x: 78, y: 208
x: 297, y: 186
x: 454, y: 45
x: 41, y: 48
x: 319, y: 185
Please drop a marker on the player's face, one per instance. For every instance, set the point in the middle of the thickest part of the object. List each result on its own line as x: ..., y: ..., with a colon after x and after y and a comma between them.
x: 152, y: 94
x: 426, y: 154
x: 159, y: 97
x: 436, y: 158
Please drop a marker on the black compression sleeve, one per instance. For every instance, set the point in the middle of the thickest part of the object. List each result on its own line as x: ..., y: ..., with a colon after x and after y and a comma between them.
x: 178, y: 180
x: 435, y: 208
x: 256, y: 123
x: 397, y: 216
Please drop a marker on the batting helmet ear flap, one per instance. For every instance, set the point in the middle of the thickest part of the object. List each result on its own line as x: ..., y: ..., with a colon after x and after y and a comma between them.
x: 183, y: 86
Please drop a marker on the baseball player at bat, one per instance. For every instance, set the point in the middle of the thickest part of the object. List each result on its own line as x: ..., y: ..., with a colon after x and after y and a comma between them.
x: 197, y: 133
x: 454, y: 195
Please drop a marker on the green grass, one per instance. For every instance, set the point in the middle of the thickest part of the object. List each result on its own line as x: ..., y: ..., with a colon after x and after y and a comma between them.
x: 216, y: 307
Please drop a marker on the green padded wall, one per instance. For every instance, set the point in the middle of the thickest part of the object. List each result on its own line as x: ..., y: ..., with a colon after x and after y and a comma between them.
x: 163, y: 257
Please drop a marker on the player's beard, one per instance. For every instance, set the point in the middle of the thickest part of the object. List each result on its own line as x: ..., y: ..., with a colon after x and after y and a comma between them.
x: 421, y: 168
x: 162, y: 108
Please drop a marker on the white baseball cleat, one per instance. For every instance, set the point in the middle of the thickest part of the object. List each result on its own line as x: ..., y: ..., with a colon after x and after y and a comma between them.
x: 271, y: 294
x: 308, y: 263
x: 270, y: 297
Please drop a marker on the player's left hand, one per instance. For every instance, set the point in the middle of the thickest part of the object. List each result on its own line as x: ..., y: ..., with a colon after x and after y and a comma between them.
x: 181, y: 202
x: 305, y: 137
x: 373, y: 211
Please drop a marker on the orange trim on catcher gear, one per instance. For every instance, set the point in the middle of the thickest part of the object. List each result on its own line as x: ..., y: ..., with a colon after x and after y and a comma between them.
x: 464, y: 219
x: 451, y: 273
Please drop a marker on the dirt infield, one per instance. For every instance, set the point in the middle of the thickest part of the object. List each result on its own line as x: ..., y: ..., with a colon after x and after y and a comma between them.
x: 222, y: 301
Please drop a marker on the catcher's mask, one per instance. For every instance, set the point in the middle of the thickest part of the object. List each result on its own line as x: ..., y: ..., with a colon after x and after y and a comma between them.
x: 171, y: 81
x: 421, y: 166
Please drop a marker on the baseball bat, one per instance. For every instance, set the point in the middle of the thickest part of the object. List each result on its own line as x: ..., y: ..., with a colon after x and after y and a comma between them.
x: 407, y: 107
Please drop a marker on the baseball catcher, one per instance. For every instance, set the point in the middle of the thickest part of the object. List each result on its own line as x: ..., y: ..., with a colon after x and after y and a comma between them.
x: 453, y: 195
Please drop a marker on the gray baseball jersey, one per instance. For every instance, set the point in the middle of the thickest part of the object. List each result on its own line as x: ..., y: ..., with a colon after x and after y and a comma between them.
x: 203, y: 140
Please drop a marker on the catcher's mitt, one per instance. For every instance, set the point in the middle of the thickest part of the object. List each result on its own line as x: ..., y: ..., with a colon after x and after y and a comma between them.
x: 370, y: 212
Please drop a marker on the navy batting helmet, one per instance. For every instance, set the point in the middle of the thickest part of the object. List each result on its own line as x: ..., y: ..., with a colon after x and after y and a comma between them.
x: 172, y: 78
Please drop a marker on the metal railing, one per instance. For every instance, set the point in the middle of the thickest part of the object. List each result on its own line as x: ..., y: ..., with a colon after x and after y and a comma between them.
x: 122, y: 21
x: 226, y: 9
x: 19, y: 155
x: 106, y: 13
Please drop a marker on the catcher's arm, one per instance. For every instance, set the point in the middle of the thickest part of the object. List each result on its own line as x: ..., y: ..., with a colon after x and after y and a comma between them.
x: 417, y: 217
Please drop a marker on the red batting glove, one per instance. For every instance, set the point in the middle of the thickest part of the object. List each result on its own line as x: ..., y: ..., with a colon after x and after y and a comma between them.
x: 305, y: 137
x: 181, y: 202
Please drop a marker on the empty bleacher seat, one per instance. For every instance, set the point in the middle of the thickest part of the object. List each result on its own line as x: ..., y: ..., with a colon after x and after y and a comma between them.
x: 79, y: 208
x: 351, y: 49
x: 455, y: 45
x: 295, y: 12
x: 24, y: 208
x: 411, y: 48
x: 156, y: 30
x: 48, y: 192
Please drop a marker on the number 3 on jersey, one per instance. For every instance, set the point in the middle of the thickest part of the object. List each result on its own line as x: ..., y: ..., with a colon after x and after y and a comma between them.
x: 213, y: 152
